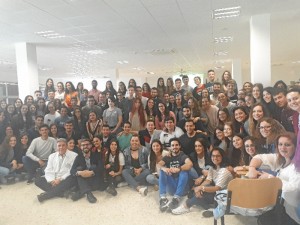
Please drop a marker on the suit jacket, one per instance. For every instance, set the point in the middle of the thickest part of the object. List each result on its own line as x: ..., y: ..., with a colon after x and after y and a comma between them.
x: 79, y: 164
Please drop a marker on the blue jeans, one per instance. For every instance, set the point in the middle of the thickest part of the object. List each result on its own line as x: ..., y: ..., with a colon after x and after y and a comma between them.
x: 204, y: 201
x: 31, y: 166
x: 152, y: 179
x: 135, y: 181
x: 174, y: 185
x: 4, y: 171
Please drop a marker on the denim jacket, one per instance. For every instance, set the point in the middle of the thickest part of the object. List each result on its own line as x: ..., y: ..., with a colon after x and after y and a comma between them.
x: 143, y: 157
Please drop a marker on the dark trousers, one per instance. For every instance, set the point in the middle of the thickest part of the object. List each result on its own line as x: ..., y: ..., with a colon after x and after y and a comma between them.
x: 58, y: 190
x: 87, y: 184
x: 31, y: 166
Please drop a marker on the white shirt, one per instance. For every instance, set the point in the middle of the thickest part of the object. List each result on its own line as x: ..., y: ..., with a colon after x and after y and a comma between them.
x: 53, y: 171
x: 165, y: 137
x: 290, y: 183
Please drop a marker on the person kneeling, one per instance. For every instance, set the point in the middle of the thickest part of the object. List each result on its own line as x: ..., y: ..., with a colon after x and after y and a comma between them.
x: 57, y: 177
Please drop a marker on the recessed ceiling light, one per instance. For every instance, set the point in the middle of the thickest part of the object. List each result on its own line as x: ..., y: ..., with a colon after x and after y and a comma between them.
x: 226, y: 12
x: 96, y: 52
x: 222, y: 39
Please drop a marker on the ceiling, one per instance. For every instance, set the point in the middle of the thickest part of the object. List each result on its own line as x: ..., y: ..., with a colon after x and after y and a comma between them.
x: 160, y: 37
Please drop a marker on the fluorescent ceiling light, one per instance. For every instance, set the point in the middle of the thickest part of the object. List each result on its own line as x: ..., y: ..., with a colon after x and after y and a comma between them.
x: 123, y: 62
x: 137, y: 68
x: 226, y: 12
x: 222, y: 39
x: 5, y: 62
x: 49, y: 34
x: 96, y: 52
x: 221, y: 53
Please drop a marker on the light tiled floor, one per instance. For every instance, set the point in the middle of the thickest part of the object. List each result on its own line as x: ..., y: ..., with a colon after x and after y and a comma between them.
x: 19, y: 206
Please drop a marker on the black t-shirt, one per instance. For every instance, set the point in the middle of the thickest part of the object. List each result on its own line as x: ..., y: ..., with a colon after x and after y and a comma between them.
x: 188, y: 143
x: 175, y: 161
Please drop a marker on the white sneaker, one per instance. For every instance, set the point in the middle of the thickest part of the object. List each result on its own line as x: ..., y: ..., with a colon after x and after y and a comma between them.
x: 143, y: 191
x: 122, y: 184
x: 180, y: 210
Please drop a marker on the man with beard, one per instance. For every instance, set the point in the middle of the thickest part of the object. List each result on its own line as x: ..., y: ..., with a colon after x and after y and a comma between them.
x: 173, y: 176
x: 88, y: 170
x: 187, y: 115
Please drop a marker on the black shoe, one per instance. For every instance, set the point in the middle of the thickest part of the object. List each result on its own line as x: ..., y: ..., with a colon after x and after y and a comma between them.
x: 207, y: 214
x: 39, y: 172
x: 90, y: 197
x: 163, y: 204
x: 174, y: 203
x: 76, y: 196
x: 42, y: 197
x: 111, y: 190
x: 11, y: 179
x: 30, y: 180
x: 191, y: 194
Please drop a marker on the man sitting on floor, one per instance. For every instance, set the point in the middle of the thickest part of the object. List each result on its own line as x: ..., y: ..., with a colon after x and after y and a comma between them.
x: 173, y: 175
x: 87, y: 170
x: 38, y: 152
x: 57, y: 177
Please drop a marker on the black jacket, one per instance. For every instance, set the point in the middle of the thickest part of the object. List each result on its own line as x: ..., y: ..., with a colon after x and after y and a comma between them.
x: 80, y: 164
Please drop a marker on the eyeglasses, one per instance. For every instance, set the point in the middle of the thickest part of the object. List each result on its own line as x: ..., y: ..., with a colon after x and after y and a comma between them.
x: 265, y: 128
x: 216, y: 156
x: 249, y: 146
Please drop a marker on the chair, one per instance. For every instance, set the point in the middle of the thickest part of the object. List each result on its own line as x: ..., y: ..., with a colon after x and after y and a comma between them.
x: 252, y: 194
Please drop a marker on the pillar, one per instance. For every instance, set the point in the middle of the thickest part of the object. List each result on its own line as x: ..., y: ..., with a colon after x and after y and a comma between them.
x: 27, y: 69
x: 260, y: 49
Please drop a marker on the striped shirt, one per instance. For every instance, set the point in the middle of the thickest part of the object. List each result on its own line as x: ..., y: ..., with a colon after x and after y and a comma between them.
x: 221, y: 177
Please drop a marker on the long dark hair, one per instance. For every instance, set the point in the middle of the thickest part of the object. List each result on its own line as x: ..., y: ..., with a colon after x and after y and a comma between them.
x: 166, y: 113
x: 224, y: 162
x: 246, y: 157
x: 153, y: 156
x: 239, y: 126
x: 47, y: 89
x: 140, y: 111
x: 72, y: 87
x: 117, y: 160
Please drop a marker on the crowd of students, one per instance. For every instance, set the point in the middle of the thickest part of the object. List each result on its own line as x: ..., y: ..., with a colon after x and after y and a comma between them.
x: 180, y: 140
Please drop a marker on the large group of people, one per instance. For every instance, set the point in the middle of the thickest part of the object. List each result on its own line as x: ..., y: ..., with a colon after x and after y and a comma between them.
x: 180, y: 140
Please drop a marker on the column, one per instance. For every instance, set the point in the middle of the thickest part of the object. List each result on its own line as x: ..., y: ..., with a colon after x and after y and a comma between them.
x: 27, y: 69
x: 260, y: 49
x: 236, y: 69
